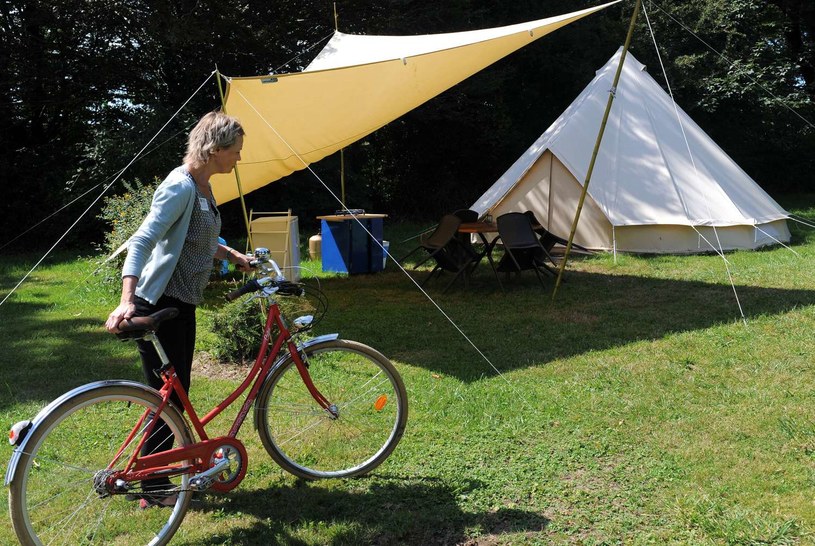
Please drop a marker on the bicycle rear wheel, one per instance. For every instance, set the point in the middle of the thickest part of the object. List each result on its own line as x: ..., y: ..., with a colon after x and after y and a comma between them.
x: 52, y: 498
x: 307, y: 440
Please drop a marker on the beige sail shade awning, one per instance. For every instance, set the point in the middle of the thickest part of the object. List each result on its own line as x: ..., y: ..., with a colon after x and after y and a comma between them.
x: 356, y: 85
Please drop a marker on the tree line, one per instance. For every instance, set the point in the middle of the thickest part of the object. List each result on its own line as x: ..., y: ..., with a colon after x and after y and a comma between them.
x: 87, y: 83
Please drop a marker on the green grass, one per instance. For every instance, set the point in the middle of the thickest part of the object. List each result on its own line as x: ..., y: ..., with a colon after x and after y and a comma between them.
x: 638, y: 408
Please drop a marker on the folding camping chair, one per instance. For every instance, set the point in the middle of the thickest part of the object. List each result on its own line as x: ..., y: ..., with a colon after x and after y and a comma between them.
x: 449, y: 253
x: 522, y: 248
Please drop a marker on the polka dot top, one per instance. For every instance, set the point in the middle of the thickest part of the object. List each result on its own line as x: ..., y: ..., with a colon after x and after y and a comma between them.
x: 194, y: 266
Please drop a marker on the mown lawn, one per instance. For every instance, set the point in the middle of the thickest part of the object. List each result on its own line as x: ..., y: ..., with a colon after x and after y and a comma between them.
x: 638, y: 408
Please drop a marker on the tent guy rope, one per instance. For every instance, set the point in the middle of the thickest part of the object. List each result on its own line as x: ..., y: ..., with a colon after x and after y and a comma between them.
x: 104, y: 191
x: 804, y: 221
x: 730, y: 62
x: 719, y: 250
x: 777, y: 241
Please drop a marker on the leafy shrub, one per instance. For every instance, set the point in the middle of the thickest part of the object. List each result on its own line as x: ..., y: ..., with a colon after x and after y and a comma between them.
x: 237, y: 328
x: 123, y: 214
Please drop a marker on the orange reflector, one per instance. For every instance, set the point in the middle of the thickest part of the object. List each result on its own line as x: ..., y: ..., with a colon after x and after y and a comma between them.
x: 380, y: 402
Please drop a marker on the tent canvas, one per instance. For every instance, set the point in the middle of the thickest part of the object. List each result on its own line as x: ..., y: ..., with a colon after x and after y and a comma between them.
x: 651, y: 191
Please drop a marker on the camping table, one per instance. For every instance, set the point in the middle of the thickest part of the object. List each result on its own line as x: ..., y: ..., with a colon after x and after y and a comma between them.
x: 481, y: 228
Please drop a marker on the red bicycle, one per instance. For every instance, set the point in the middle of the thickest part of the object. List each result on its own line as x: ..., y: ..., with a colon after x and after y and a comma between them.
x: 323, y: 408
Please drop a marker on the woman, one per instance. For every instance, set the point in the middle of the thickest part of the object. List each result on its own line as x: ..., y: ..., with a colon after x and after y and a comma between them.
x: 169, y: 261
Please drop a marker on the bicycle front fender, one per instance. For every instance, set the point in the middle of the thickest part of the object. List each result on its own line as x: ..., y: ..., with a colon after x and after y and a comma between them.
x: 11, y: 469
x: 286, y: 356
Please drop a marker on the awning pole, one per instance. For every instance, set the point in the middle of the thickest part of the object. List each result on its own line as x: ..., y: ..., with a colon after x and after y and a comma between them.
x: 237, y: 174
x: 342, y: 177
x: 342, y: 150
x: 611, y: 94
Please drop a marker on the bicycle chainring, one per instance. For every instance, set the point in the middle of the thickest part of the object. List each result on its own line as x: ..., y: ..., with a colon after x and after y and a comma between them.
x: 233, y: 450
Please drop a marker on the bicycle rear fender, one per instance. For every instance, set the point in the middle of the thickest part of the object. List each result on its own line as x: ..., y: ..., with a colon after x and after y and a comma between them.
x: 285, y: 356
x: 35, y: 423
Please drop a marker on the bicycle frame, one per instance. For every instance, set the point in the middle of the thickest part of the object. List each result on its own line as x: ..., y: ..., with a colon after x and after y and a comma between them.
x: 144, y: 467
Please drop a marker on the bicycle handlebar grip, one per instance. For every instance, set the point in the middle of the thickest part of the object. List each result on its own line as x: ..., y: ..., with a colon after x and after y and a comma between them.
x: 287, y: 288
x: 251, y: 286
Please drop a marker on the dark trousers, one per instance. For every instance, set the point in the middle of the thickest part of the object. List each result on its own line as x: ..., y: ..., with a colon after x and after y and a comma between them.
x: 177, y: 337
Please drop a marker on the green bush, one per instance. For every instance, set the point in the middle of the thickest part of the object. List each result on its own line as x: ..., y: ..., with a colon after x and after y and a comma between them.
x: 123, y: 214
x: 237, y: 327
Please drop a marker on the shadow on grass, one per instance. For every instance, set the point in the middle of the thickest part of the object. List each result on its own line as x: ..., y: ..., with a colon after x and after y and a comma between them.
x: 522, y: 327
x: 41, y: 359
x: 419, y: 511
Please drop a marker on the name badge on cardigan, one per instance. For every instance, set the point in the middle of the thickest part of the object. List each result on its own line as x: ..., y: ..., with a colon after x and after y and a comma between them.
x: 203, y: 203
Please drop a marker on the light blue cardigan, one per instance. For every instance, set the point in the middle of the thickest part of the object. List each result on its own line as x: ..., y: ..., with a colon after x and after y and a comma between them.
x: 153, y: 251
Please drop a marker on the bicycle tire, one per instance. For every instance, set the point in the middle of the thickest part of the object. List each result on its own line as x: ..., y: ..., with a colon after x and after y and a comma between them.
x: 52, y: 497
x: 305, y: 440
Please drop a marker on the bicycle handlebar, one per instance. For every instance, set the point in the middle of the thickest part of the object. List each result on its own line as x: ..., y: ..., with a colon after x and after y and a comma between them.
x: 284, y: 288
x: 278, y: 283
x: 251, y: 286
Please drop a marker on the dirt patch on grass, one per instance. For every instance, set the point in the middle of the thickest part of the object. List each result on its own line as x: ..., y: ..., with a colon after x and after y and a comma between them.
x: 205, y: 365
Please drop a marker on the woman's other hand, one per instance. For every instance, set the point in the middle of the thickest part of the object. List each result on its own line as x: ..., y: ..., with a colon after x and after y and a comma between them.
x: 124, y: 311
x: 126, y: 307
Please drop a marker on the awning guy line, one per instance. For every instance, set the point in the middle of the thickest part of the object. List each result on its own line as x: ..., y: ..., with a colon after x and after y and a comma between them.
x: 104, y: 191
x: 66, y: 205
x: 350, y: 213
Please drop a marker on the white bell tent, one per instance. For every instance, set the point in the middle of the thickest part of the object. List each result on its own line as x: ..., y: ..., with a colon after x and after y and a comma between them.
x: 658, y: 185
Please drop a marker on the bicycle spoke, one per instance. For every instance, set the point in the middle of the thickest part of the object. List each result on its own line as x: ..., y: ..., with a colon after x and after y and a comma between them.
x: 71, y: 518
x: 374, y: 389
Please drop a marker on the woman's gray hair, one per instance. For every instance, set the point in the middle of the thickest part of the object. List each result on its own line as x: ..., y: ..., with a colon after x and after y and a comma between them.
x: 214, y: 131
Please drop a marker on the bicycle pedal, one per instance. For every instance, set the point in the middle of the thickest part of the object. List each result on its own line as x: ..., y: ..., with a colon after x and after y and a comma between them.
x: 201, y: 484
x: 205, y: 480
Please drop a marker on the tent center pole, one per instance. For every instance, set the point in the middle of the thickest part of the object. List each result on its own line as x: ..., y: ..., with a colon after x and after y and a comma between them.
x: 614, y: 242
x: 596, y: 147
x: 342, y: 178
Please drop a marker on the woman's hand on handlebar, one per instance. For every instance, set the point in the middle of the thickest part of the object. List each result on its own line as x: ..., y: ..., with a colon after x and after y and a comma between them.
x: 242, y: 261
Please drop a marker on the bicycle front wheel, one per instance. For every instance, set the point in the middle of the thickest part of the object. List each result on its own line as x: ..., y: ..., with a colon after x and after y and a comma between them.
x: 370, y: 404
x: 56, y: 496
